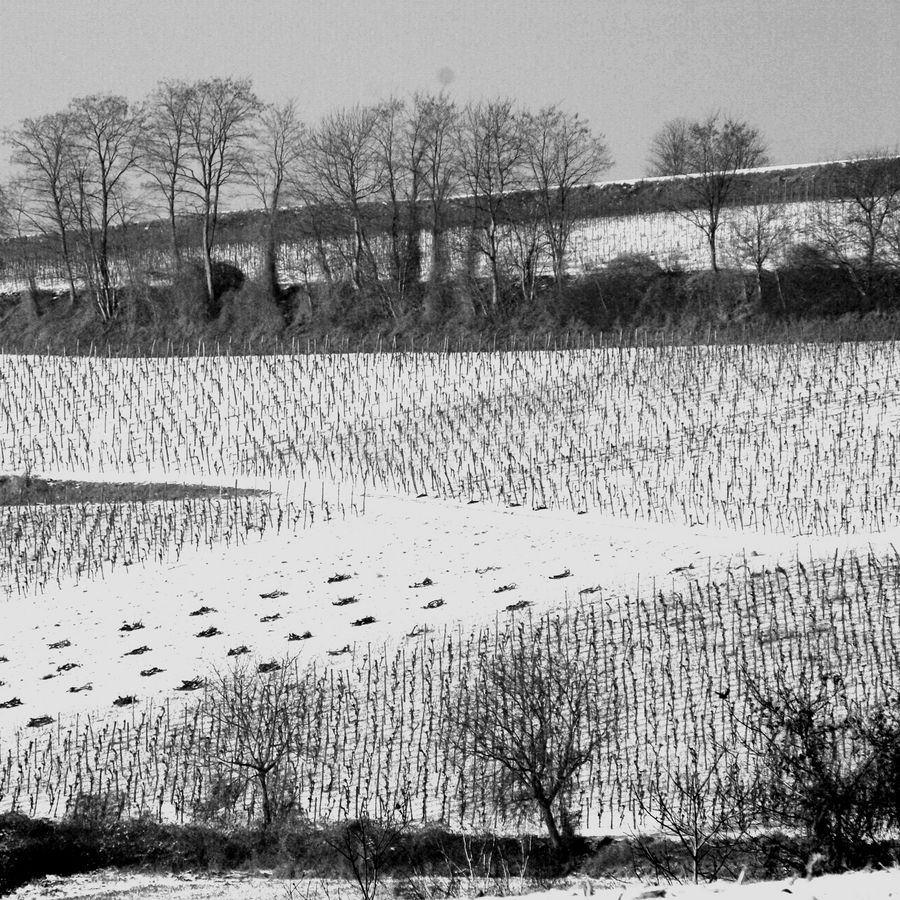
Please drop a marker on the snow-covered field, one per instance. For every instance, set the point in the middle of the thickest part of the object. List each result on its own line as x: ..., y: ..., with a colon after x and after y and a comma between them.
x: 112, y: 885
x: 680, y: 507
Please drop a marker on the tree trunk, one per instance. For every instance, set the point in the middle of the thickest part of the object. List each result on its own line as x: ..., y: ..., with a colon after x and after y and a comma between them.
x: 557, y: 842
x: 437, y: 255
x: 322, y: 255
x: 711, y: 237
x: 67, y: 259
x: 207, y: 263
x: 412, y: 249
x: 357, y: 250
x: 495, y: 285
x: 780, y: 291
x: 269, y: 271
x: 262, y: 775
x: 70, y: 277
x: 269, y: 262
x: 558, y: 252
x: 106, y: 291
x: 173, y: 238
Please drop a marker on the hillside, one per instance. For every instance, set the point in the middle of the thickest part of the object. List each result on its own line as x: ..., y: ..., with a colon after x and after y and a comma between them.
x: 612, y: 219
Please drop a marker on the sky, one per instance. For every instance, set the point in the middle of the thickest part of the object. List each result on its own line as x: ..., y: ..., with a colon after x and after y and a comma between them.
x: 819, y: 78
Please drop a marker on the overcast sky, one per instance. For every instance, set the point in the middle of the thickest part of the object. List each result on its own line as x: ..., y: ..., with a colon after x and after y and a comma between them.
x: 820, y: 78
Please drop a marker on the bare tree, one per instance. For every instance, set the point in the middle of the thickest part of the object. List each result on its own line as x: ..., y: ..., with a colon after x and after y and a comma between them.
x: 103, y: 152
x: 707, y: 803
x: 820, y: 773
x: 7, y: 225
x: 434, y: 120
x: 714, y: 150
x: 858, y: 232
x: 881, y: 731
x: 492, y: 154
x: 760, y: 232
x: 670, y: 149
x: 368, y: 844
x: 345, y: 169
x: 401, y: 142
x: 256, y: 724
x: 40, y: 148
x: 17, y: 226
x: 220, y: 112
x: 562, y: 155
x: 164, y: 148
x: 527, y: 725
x: 6, y: 218
x: 277, y: 152
x: 526, y: 245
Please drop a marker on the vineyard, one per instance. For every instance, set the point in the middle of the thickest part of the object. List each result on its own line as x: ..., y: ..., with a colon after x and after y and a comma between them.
x: 661, y: 663
x: 787, y: 448
x: 781, y: 438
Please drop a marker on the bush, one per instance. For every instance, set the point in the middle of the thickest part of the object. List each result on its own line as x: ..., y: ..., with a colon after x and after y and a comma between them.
x: 445, y: 307
x: 881, y: 731
x: 820, y: 765
x: 250, y: 313
x: 189, y: 293
x: 815, y: 285
x: 611, y: 297
x: 808, y: 298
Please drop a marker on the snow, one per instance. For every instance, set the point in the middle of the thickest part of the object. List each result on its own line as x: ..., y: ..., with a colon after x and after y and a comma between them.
x: 826, y: 406
x: 398, y: 543
x: 467, y: 551
x: 115, y: 885
x: 220, y: 421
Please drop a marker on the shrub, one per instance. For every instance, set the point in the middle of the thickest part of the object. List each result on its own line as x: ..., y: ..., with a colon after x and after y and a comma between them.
x: 188, y: 290
x: 820, y: 773
x: 250, y: 313
x: 445, y: 306
x: 611, y: 297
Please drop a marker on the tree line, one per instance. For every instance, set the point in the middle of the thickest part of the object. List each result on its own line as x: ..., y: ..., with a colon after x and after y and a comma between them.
x: 391, y: 193
x: 104, y: 163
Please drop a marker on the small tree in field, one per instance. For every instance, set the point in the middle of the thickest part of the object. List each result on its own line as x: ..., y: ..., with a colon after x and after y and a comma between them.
x: 490, y: 138
x: 859, y: 232
x: 269, y: 169
x: 759, y: 236
x: 217, y: 126
x: 821, y: 772
x: 164, y: 149
x: 41, y: 150
x: 706, y: 803
x: 368, y: 844
x: 711, y: 151
x: 522, y: 726
x: 102, y: 154
x: 256, y: 726
x: 669, y: 149
x: 562, y: 155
